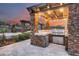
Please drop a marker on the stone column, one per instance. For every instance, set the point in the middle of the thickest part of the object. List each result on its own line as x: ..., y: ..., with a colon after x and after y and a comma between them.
x: 73, y: 29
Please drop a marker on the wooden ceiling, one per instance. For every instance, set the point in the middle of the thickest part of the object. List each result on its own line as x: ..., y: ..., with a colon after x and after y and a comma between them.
x: 54, y: 14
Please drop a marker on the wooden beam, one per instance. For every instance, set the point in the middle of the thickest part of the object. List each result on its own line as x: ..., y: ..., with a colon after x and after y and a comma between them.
x: 54, y: 8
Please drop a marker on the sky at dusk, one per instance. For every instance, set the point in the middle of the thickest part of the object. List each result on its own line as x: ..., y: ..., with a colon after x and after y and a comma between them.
x: 10, y: 11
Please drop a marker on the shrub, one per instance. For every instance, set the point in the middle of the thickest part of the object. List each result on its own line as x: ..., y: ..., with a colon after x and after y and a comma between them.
x: 21, y: 37
x: 27, y: 34
x: 24, y: 36
x: 16, y: 38
x: 3, y: 30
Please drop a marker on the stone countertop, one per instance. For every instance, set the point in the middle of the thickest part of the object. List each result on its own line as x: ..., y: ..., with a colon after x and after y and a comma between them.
x: 43, y: 33
x: 53, y: 32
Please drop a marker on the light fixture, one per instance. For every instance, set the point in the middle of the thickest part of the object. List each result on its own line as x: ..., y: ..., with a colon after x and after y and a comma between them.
x: 48, y: 7
x: 61, y: 3
x: 61, y: 9
x: 65, y: 19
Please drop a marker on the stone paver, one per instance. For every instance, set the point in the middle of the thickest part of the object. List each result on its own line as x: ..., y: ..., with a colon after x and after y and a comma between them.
x: 24, y: 48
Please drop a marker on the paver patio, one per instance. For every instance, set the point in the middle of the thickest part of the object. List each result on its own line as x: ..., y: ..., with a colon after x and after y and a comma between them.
x: 24, y: 48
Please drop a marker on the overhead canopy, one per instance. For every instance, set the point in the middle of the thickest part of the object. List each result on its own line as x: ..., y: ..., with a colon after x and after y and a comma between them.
x: 45, y: 7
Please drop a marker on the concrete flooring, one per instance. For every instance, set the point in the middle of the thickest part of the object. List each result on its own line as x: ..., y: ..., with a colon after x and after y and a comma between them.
x: 24, y: 48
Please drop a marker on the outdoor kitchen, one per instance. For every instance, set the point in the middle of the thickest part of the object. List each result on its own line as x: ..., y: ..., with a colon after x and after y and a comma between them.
x: 50, y: 24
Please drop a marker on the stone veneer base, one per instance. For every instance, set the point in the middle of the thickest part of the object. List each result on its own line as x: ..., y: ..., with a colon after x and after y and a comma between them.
x: 39, y: 40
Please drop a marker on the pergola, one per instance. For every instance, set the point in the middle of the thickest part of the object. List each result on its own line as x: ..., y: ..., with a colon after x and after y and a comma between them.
x: 46, y: 13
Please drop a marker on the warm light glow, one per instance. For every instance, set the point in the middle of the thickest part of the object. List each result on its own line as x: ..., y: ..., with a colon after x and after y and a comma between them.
x: 61, y: 9
x: 49, y: 12
x: 38, y: 9
x: 48, y: 7
x: 65, y: 19
x: 39, y: 14
x: 50, y: 19
x: 61, y: 3
x: 36, y: 21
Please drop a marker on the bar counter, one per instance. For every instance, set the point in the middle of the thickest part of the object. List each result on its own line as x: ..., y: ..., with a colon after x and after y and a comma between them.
x: 44, y: 37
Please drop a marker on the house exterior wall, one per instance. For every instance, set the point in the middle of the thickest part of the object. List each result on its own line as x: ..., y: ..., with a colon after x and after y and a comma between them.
x: 73, y: 29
